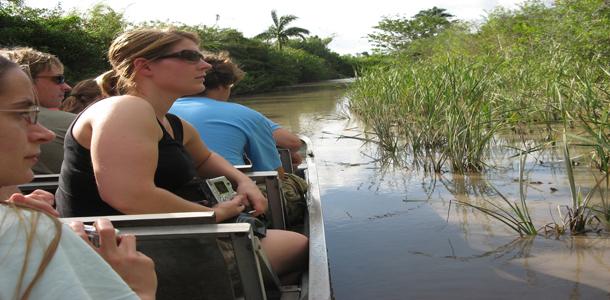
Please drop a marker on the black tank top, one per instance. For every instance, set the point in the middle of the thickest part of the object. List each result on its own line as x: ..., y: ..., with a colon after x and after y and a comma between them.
x: 78, y: 196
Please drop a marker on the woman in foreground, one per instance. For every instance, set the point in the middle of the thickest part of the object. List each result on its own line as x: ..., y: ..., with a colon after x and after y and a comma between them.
x: 127, y: 155
x: 40, y: 258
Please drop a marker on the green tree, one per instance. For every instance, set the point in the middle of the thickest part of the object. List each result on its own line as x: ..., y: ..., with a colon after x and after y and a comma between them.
x: 319, y: 47
x: 51, y: 31
x: 104, y: 23
x: 280, y: 32
x: 396, y: 34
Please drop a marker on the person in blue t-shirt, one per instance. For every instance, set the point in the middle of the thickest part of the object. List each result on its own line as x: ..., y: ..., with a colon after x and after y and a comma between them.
x: 231, y: 129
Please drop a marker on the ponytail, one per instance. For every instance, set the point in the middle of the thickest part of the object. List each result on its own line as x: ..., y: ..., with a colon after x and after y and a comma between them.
x: 108, y: 83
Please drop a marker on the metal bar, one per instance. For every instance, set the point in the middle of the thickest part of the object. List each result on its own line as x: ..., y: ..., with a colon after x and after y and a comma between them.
x: 276, y: 204
x: 286, y: 160
x: 248, y: 266
x: 167, y: 219
x: 319, y: 275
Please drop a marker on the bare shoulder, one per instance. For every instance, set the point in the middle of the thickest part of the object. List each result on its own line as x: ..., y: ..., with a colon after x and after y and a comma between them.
x: 189, y: 130
x: 124, y: 109
x: 117, y: 116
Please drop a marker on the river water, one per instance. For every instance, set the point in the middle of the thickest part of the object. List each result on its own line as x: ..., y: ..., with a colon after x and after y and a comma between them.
x: 396, y: 233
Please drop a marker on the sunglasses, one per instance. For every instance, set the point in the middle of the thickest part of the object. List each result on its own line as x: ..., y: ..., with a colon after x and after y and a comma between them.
x: 59, y: 79
x: 186, y: 55
x: 29, y: 114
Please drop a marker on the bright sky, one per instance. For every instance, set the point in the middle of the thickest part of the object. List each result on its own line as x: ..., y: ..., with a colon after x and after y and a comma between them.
x: 347, y: 21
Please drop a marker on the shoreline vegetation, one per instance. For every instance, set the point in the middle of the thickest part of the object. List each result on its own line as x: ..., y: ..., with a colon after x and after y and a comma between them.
x: 444, y: 92
x: 281, y: 56
x: 436, y: 94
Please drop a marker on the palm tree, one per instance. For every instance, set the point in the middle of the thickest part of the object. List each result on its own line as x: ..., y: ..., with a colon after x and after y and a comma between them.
x: 279, y: 31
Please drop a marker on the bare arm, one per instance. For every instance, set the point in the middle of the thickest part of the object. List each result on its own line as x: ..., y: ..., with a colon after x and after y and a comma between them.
x: 210, y: 164
x: 286, y: 139
x: 124, y: 154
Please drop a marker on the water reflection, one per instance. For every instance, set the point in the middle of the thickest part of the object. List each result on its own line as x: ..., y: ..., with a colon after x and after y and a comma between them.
x: 392, y: 232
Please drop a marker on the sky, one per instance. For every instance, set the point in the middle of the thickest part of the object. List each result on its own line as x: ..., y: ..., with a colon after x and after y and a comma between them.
x: 348, y: 22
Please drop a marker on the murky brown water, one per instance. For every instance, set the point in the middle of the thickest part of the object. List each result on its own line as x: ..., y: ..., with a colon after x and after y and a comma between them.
x: 392, y: 235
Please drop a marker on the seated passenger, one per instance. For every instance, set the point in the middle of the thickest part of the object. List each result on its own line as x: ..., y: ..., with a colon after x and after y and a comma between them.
x: 40, y: 258
x: 82, y: 95
x: 230, y: 129
x: 51, y: 87
x: 127, y: 155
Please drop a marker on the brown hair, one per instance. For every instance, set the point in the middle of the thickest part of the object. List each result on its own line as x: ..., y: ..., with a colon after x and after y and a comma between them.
x: 145, y: 43
x: 107, y: 82
x: 224, y: 71
x: 82, y: 95
x: 5, y: 66
x: 37, y: 61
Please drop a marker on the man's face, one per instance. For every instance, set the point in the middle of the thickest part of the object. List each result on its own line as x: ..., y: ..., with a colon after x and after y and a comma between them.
x: 50, y: 87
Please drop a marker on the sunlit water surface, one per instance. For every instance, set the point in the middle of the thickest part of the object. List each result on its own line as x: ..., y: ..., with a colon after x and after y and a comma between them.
x: 394, y: 233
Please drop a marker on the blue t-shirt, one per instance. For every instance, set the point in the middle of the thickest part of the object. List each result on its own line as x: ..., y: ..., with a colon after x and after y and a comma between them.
x: 230, y: 129
x: 274, y: 126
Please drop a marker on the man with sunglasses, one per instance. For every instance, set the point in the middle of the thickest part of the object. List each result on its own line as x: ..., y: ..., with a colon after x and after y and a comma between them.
x: 46, y: 71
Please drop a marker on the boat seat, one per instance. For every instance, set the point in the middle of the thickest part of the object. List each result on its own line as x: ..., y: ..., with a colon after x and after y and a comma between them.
x: 286, y: 159
x: 50, y: 183
x: 189, y: 262
x: 274, y: 196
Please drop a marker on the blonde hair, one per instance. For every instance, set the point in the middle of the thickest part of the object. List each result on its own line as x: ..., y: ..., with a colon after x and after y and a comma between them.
x: 107, y: 82
x: 145, y: 43
x: 82, y: 95
x: 33, y: 220
x: 37, y: 61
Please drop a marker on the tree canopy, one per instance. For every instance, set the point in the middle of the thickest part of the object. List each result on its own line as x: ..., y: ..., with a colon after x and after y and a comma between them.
x: 81, y: 41
x: 395, y: 34
x: 280, y: 32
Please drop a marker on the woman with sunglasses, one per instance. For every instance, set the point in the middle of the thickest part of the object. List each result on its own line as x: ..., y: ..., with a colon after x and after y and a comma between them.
x: 40, y: 258
x: 127, y: 155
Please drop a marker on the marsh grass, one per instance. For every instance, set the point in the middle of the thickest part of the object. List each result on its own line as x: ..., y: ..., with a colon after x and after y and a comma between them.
x: 445, y: 111
x: 516, y: 216
x: 442, y: 115
x: 581, y: 213
x: 602, y: 209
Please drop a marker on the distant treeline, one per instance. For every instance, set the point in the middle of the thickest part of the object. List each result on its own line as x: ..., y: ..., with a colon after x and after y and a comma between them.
x: 81, y: 41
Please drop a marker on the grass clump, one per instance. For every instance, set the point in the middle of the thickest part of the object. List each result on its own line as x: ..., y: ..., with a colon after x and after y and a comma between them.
x: 438, y: 114
x: 516, y: 216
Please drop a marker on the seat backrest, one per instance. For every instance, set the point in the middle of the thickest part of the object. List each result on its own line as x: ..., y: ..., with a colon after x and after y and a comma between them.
x: 271, y: 182
x: 286, y: 159
x: 188, y: 260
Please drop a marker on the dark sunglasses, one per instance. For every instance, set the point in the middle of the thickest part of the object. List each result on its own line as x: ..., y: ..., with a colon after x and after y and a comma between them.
x: 187, y: 55
x: 59, y: 79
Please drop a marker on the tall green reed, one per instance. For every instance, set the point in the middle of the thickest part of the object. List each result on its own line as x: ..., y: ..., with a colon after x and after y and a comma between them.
x: 592, y: 95
x: 442, y: 114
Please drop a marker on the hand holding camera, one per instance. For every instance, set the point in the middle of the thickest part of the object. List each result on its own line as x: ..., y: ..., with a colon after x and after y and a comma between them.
x: 136, y: 269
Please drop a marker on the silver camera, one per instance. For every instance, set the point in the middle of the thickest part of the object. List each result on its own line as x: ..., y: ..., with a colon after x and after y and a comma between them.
x: 93, y: 235
x: 218, y: 189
